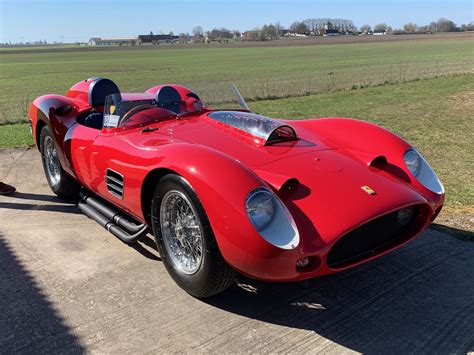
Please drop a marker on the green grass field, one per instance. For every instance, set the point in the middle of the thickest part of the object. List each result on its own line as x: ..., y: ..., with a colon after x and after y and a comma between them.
x: 260, y: 72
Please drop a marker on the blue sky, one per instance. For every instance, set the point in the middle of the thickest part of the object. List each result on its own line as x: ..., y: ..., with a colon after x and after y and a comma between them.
x: 78, y: 20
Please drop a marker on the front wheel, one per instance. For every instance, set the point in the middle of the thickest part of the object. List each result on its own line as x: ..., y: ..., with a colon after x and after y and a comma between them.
x: 60, y: 183
x: 185, y: 240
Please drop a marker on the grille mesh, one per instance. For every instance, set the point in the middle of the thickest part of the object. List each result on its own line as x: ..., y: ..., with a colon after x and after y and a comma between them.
x: 373, y: 238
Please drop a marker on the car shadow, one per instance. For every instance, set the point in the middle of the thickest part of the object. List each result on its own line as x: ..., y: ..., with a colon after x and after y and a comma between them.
x: 29, y: 323
x: 40, y: 197
x: 458, y: 233
x: 417, y: 299
x: 55, y: 204
x: 62, y: 208
x: 143, y: 246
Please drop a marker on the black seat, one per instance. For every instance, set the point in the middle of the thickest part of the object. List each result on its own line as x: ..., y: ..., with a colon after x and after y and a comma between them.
x: 169, y: 98
x: 99, y: 89
x: 94, y: 120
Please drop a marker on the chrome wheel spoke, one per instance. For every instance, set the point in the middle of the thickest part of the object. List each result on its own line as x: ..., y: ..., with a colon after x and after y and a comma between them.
x: 51, y: 161
x: 181, y: 231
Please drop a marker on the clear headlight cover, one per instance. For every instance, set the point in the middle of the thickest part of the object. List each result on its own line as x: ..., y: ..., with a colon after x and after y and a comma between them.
x: 422, y: 171
x: 271, y: 218
x: 260, y: 208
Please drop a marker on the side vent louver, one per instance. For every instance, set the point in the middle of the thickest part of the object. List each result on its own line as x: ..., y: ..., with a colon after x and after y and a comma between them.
x: 114, y: 182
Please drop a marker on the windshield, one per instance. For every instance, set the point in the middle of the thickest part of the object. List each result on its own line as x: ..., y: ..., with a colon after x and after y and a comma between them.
x: 131, y: 109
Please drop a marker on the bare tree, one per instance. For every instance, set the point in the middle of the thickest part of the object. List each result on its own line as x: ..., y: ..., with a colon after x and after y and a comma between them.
x: 365, y: 28
x: 312, y: 25
x: 220, y: 35
x: 445, y: 25
x: 197, y: 31
x: 381, y: 27
x: 467, y: 26
x: 198, y: 34
x: 184, y: 37
x: 410, y: 27
x: 299, y: 28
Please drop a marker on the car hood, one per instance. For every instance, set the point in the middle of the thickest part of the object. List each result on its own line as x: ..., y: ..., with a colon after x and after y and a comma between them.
x: 249, y: 150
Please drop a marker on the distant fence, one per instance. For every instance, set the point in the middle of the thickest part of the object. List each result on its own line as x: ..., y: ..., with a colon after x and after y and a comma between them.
x: 272, y: 87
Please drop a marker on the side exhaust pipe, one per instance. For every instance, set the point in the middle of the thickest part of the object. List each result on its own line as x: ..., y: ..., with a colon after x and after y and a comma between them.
x: 111, y: 220
x: 111, y: 214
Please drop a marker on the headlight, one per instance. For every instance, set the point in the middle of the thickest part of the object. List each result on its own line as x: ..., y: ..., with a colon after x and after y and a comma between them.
x: 271, y: 218
x: 422, y: 171
x: 260, y: 208
x: 412, y: 160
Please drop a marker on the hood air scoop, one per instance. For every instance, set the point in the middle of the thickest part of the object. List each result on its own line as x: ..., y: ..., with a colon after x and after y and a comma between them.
x: 266, y: 128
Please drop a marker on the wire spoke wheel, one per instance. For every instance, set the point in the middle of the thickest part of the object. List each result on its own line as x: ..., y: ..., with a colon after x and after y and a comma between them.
x: 52, y: 163
x: 182, y: 232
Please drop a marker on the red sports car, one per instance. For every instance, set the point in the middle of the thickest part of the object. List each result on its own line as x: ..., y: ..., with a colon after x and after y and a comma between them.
x: 226, y: 191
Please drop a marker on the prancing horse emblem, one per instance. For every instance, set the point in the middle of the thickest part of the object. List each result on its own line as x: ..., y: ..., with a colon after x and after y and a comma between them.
x: 368, y: 190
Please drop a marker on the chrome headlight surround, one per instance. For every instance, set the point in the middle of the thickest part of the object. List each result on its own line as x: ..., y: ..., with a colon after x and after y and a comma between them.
x: 422, y: 171
x: 271, y: 219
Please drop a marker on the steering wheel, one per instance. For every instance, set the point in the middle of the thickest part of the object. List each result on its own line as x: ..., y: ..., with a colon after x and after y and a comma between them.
x: 135, y: 110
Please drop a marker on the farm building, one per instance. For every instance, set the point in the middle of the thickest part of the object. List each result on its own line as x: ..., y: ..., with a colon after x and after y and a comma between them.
x: 331, y: 32
x: 112, y: 41
x: 157, y: 39
x: 380, y: 33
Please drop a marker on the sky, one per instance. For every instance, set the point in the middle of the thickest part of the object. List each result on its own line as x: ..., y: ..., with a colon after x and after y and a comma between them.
x: 78, y: 20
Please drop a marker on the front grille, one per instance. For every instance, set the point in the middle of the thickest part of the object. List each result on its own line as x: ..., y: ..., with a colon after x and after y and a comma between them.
x: 374, y: 237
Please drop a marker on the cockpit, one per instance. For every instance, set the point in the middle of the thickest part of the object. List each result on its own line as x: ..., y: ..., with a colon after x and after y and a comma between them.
x: 112, y: 109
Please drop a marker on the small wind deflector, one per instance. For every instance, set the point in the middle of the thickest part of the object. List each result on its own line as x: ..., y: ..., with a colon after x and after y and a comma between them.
x: 270, y: 130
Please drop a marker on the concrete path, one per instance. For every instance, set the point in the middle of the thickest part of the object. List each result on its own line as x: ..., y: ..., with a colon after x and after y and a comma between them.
x: 67, y: 285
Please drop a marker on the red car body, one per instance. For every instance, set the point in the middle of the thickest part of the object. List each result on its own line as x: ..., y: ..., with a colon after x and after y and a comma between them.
x: 342, y: 178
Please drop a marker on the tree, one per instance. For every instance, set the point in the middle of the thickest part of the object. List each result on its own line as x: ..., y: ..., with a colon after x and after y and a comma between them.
x: 220, y: 35
x: 468, y: 27
x: 184, y: 37
x: 365, y: 28
x: 381, y: 27
x: 272, y: 32
x: 252, y: 35
x: 197, y: 31
x: 198, y: 34
x: 445, y: 25
x: 312, y: 25
x: 410, y: 27
x: 432, y: 27
x: 299, y: 28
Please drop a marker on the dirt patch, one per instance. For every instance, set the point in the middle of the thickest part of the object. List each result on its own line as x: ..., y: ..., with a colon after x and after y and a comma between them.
x: 463, y: 101
x: 457, y: 221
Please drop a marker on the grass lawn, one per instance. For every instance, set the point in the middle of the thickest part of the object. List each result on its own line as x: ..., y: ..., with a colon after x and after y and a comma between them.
x: 435, y: 115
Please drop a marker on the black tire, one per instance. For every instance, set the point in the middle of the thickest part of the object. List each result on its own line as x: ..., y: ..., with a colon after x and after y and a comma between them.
x: 64, y: 186
x: 213, y: 275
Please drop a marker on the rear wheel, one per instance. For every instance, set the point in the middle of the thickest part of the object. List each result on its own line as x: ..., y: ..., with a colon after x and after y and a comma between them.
x: 186, y: 241
x: 60, y: 183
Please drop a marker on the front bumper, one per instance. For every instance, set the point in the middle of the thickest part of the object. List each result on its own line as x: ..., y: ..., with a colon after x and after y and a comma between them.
x: 366, y: 241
